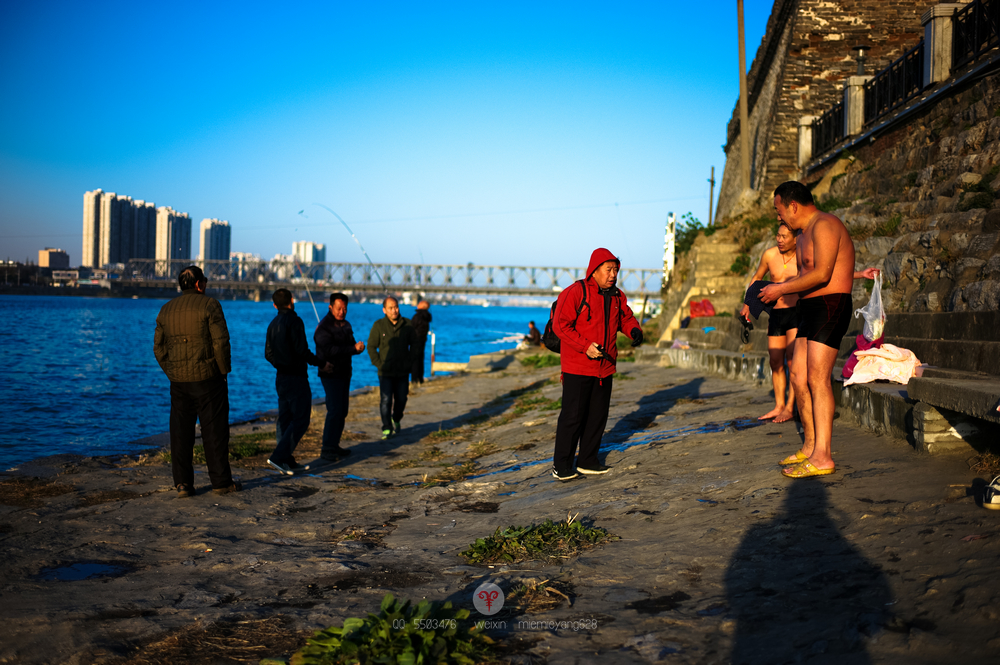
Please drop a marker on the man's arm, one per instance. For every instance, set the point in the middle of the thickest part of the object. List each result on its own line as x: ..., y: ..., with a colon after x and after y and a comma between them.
x: 159, y: 342
x: 300, y: 347
x: 867, y: 273
x: 628, y: 323
x: 757, y: 276
x: 220, y: 337
x: 826, y: 246
x: 564, y: 319
x: 373, y: 340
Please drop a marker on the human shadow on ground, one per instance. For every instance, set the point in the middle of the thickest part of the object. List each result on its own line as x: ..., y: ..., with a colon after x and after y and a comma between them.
x: 649, y: 407
x: 798, y: 590
x: 476, y: 414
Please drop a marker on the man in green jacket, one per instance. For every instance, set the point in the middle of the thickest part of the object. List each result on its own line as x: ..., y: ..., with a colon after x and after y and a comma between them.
x: 391, y: 347
x: 191, y: 343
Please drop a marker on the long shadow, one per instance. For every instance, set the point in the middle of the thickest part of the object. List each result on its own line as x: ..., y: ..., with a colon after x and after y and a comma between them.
x: 476, y: 414
x: 650, y: 406
x: 798, y: 590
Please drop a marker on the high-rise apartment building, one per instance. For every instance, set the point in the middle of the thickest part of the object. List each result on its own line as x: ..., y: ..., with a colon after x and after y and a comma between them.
x: 173, y: 238
x: 51, y: 257
x: 143, y: 230
x: 116, y: 229
x: 215, y: 237
x: 91, y: 254
x: 306, y: 252
x: 309, y: 252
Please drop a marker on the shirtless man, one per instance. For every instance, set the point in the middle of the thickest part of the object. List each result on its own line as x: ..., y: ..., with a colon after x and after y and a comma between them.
x: 825, y: 256
x: 781, y: 324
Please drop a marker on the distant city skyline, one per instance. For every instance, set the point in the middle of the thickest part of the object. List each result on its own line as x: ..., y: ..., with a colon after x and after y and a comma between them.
x: 496, y: 134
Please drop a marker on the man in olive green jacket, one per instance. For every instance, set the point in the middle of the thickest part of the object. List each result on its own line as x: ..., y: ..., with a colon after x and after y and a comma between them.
x: 392, y: 345
x: 191, y: 344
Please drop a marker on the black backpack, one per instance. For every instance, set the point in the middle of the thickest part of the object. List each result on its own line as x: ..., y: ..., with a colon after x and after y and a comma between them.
x: 549, y: 337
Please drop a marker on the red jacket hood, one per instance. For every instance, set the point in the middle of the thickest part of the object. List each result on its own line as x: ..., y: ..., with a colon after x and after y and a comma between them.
x: 599, y: 256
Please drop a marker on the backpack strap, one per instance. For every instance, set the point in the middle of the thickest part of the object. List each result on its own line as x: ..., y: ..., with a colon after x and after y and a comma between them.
x: 583, y: 303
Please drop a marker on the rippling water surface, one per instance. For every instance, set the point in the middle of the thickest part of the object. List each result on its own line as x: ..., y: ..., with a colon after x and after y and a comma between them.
x: 79, y: 374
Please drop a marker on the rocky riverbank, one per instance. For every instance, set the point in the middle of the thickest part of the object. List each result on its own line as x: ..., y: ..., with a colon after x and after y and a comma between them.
x: 721, y: 559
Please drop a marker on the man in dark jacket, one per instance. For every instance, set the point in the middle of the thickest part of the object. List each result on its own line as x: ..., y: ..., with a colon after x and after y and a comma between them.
x: 421, y: 323
x: 589, y: 314
x: 191, y: 343
x: 391, y: 346
x: 287, y: 350
x: 335, y: 344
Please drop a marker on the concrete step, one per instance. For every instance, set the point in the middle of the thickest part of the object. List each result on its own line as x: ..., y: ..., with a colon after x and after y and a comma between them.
x: 962, y: 354
x: 977, y: 398
x: 718, y: 248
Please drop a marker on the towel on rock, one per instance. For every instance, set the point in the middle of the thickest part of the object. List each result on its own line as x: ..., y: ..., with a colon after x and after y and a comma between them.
x: 888, y: 363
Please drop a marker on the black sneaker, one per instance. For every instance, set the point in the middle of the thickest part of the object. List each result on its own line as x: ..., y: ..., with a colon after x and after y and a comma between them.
x: 184, y: 491
x: 283, y: 467
x: 237, y: 486
x: 593, y: 471
x: 564, y: 476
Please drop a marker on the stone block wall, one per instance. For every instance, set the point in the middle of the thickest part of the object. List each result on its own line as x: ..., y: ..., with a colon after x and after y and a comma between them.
x: 799, y: 70
x: 921, y: 203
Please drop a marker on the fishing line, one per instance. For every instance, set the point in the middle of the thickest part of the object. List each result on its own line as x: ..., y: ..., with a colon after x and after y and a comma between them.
x: 305, y: 284
x: 377, y: 273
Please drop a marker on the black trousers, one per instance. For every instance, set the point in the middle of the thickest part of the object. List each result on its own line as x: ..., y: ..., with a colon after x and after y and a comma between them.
x: 393, y: 391
x: 338, y: 401
x: 208, y: 402
x: 417, y: 371
x: 584, y: 414
x: 294, y: 413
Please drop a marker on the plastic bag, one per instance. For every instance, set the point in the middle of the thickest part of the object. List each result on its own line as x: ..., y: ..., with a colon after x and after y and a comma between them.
x: 873, y: 312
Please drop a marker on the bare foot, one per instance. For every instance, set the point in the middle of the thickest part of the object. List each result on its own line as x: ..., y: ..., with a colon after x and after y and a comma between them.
x: 772, y: 413
x: 784, y: 416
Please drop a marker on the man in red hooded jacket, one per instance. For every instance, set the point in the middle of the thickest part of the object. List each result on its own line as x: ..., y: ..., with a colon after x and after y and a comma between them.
x: 587, y: 328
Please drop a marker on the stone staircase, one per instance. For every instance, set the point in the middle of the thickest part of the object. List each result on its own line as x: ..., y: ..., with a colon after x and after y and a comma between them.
x: 708, y: 278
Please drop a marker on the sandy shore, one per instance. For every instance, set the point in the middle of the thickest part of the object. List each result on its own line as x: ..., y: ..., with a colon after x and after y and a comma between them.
x: 721, y: 559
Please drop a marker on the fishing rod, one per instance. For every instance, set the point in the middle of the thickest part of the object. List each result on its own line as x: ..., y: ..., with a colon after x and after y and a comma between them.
x: 358, y: 242
x: 308, y: 293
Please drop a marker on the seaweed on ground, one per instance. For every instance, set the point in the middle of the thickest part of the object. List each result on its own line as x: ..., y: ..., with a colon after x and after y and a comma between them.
x: 548, y: 541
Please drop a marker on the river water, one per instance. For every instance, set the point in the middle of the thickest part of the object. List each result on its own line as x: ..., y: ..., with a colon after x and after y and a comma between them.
x: 79, y: 374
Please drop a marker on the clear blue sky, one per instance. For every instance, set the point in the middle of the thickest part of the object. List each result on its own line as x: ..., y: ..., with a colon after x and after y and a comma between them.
x: 492, y: 133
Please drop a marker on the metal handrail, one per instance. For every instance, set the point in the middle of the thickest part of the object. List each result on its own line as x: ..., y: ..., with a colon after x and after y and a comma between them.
x: 895, y: 85
x: 975, y: 30
x: 828, y: 129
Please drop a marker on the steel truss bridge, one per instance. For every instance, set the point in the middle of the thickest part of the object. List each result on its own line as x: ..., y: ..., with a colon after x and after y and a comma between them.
x: 262, y: 275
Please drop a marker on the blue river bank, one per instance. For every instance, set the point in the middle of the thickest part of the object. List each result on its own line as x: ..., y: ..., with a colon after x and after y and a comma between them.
x: 80, y: 376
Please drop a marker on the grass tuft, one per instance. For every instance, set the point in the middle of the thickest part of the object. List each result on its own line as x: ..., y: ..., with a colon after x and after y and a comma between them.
x: 548, y: 541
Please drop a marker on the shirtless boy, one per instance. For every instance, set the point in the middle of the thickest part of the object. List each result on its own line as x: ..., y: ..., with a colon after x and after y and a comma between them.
x: 825, y: 256
x: 781, y: 325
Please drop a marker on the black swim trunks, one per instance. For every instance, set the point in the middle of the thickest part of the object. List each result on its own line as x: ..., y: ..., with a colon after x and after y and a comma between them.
x: 825, y: 319
x: 781, y: 321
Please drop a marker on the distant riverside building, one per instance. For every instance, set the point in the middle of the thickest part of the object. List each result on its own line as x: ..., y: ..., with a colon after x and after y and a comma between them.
x: 53, y: 258
x: 173, y: 238
x: 283, y: 266
x: 215, y: 240
x: 246, y: 265
x: 309, y: 252
x: 116, y: 229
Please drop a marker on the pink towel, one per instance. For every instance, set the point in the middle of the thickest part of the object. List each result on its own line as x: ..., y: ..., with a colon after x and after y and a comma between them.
x: 862, y: 344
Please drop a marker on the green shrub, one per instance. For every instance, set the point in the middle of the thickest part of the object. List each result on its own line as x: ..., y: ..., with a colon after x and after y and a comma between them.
x: 973, y: 200
x: 911, y: 178
x: 429, y: 632
x: 888, y: 227
x: 541, y: 360
x: 741, y: 265
x: 831, y: 203
x: 546, y: 541
x: 685, y: 233
x: 554, y: 405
